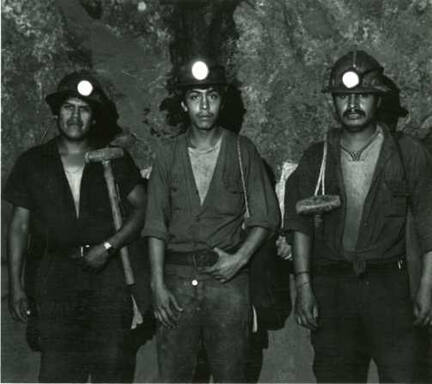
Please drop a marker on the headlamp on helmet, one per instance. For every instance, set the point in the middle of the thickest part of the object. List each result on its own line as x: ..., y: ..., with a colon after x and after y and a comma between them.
x: 350, y: 79
x: 356, y: 72
x: 85, y: 88
x: 200, y: 70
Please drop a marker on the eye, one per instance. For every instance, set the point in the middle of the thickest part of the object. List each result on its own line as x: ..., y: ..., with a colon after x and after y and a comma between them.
x: 193, y: 96
x: 342, y: 96
x: 214, y: 96
x: 85, y: 109
x: 67, y: 107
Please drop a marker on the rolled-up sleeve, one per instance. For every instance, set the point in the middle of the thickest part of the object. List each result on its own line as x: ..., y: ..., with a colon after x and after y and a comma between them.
x: 421, y: 193
x: 297, y: 187
x: 263, y: 205
x: 158, y: 206
x: 16, y: 190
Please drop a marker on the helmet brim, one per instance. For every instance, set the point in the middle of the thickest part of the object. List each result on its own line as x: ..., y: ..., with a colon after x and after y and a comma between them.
x: 339, y: 90
x: 56, y: 99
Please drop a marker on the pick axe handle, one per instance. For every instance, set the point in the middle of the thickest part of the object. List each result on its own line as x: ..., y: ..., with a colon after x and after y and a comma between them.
x: 115, y: 207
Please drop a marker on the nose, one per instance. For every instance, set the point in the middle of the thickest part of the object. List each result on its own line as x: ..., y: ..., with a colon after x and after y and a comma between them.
x: 353, y: 100
x: 204, y: 104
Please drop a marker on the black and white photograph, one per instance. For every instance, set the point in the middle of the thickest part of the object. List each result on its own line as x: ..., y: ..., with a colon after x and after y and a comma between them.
x: 205, y: 191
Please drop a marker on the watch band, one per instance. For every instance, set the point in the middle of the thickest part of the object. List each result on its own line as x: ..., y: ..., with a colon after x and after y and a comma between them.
x: 108, y: 248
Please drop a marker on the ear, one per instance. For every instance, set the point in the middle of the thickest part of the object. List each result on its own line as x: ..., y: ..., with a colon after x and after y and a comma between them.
x: 184, y: 106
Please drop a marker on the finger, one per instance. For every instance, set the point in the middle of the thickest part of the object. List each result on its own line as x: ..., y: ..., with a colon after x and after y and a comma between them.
x: 166, y: 321
x: 13, y: 313
x: 24, y: 309
x: 175, y: 304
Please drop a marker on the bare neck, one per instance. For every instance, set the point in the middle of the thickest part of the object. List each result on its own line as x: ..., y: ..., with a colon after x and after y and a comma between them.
x: 203, y: 139
x: 68, y: 147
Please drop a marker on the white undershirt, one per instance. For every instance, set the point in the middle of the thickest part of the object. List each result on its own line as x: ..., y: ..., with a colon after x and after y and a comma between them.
x: 74, y: 177
x: 203, y: 166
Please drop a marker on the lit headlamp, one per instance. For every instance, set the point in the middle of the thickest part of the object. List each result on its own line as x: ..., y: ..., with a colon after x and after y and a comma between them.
x: 85, y: 88
x: 350, y: 79
x: 200, y: 70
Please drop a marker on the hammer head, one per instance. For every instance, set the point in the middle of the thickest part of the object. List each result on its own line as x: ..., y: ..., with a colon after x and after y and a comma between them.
x: 316, y: 205
x: 103, y: 154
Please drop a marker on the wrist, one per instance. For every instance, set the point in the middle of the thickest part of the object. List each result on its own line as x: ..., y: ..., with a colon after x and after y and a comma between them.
x: 109, y: 248
x: 243, y: 257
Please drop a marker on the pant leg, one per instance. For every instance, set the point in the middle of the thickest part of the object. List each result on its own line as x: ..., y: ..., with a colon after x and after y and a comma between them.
x: 226, y: 312
x: 111, y: 317
x: 178, y: 347
x: 64, y: 341
x: 340, y: 343
x: 398, y: 348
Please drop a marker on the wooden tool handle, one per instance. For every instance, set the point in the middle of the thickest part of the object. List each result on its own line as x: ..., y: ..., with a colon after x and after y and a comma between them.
x: 115, y: 207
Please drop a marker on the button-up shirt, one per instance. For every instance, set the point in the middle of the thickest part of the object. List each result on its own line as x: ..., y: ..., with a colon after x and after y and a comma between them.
x: 382, y: 227
x: 175, y: 213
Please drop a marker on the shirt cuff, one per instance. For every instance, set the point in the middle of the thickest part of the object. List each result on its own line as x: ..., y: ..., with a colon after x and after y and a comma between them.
x: 153, y: 232
x: 297, y: 224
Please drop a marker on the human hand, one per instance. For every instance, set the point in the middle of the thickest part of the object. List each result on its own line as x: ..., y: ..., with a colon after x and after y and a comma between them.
x: 423, y: 306
x: 226, y: 266
x: 306, y: 307
x: 18, y: 304
x: 284, y: 250
x: 95, y: 257
x: 166, y: 309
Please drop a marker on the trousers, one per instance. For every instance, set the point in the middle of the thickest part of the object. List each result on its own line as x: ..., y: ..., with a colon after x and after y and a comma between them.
x: 216, y: 316
x: 364, y: 318
x: 86, y: 337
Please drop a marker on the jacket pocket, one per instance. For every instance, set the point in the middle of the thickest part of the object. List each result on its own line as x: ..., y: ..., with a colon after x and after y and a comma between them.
x: 397, y: 203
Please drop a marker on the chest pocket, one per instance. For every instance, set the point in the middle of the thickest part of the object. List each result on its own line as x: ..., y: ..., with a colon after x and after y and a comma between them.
x: 230, y: 193
x: 397, y: 202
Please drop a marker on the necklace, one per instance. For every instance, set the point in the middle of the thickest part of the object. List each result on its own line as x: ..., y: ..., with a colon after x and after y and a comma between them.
x: 356, y: 155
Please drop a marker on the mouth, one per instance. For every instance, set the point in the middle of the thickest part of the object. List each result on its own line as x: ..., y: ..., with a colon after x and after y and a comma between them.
x: 354, y: 114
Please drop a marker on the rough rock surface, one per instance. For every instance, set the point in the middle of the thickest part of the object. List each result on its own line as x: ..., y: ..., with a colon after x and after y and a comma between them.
x: 44, y: 40
x: 286, y: 47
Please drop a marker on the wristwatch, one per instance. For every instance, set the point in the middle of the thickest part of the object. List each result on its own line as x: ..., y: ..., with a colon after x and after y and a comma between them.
x: 109, y: 248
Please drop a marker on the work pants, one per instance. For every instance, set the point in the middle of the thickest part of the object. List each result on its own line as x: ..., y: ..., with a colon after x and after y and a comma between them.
x: 84, y: 319
x: 215, y: 315
x: 364, y: 318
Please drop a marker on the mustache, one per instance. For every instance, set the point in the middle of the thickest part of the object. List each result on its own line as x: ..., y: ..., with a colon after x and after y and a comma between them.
x: 353, y: 110
x: 74, y: 122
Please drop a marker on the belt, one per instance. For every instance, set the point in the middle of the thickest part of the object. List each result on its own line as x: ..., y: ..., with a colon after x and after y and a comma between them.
x: 203, y: 258
x: 340, y: 267
x: 70, y: 252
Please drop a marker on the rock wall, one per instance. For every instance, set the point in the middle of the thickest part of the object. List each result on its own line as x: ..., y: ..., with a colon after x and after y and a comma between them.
x: 280, y: 50
x: 286, y: 47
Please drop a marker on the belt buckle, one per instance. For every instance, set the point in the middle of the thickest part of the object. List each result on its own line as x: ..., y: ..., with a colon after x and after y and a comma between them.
x: 83, y: 249
x: 399, y: 264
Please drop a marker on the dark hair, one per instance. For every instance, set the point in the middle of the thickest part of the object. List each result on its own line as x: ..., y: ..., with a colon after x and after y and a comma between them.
x: 230, y: 116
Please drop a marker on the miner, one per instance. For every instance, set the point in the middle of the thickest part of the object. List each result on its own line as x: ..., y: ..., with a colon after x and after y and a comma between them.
x: 352, y: 194
x: 84, y: 308
x: 202, y: 184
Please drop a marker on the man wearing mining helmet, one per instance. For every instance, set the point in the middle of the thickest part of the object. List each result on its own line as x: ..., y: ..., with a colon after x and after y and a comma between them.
x: 84, y: 306
x: 198, y: 250
x: 349, y: 203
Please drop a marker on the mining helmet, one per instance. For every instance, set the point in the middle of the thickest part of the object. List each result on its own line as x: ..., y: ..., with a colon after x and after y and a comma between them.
x: 80, y: 84
x: 200, y: 72
x: 357, y: 72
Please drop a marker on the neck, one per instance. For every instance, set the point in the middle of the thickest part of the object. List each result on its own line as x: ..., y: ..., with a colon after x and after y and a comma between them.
x: 355, y: 140
x: 202, y: 139
x: 67, y: 147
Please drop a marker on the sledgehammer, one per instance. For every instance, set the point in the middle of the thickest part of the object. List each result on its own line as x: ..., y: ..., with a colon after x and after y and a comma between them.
x: 104, y: 156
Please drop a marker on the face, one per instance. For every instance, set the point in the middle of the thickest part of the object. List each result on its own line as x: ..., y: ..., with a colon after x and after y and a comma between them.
x: 356, y: 111
x: 74, y: 119
x: 203, y: 106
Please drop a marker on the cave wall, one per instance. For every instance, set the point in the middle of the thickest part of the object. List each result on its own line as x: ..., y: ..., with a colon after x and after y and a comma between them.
x: 279, y: 50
